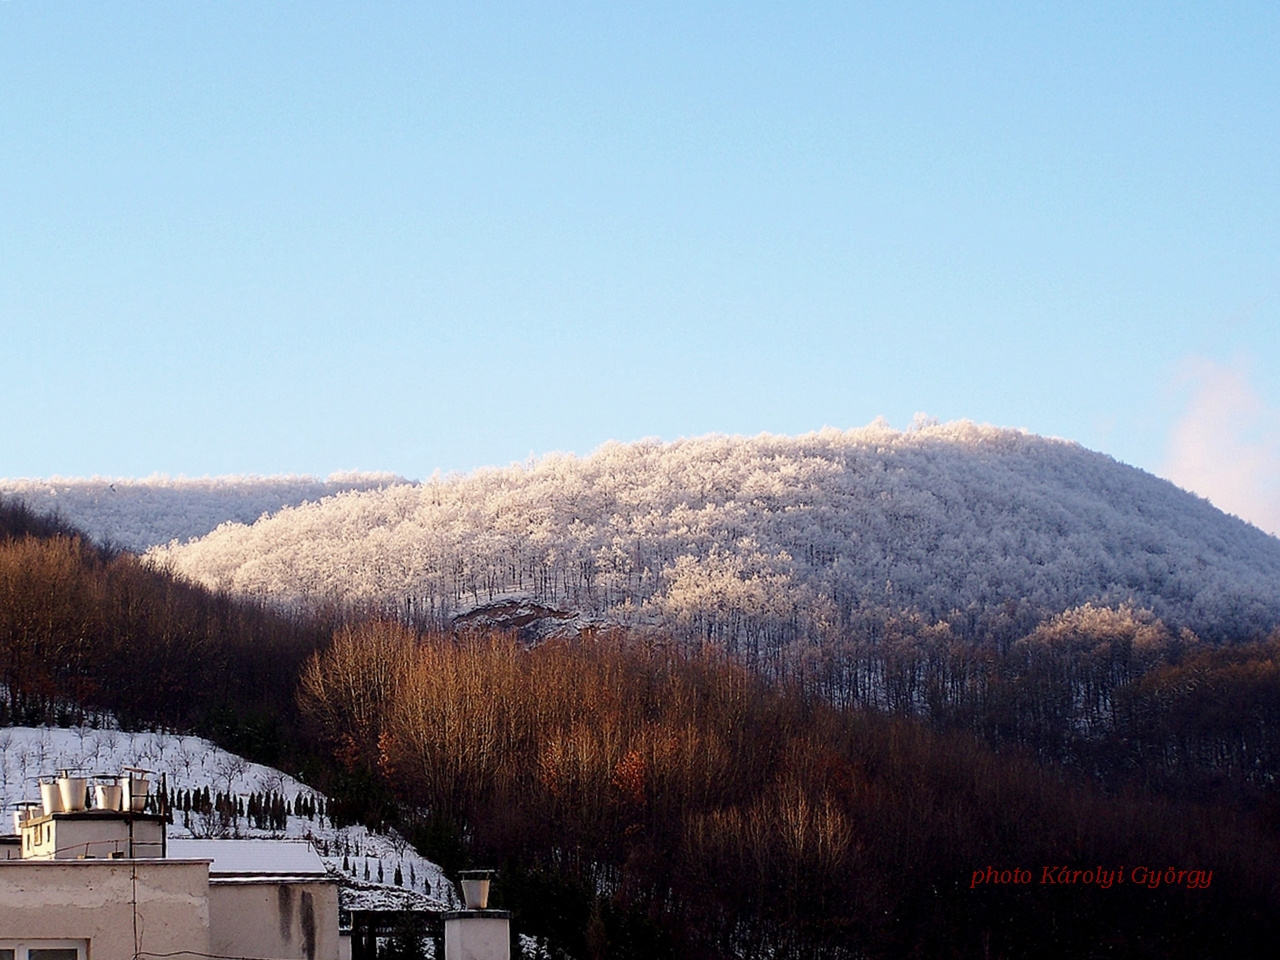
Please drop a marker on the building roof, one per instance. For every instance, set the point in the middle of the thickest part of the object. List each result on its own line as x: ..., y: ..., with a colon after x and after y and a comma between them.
x: 253, y: 859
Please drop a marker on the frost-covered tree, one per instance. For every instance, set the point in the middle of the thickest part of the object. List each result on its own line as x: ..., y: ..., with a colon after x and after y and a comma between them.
x: 137, y: 514
x: 771, y: 542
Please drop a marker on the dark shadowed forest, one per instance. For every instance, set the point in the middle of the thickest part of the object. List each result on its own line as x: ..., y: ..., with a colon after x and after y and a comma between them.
x: 85, y: 630
x: 647, y: 798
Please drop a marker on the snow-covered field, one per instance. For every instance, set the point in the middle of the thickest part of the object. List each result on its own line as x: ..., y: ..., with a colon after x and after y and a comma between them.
x: 365, y: 862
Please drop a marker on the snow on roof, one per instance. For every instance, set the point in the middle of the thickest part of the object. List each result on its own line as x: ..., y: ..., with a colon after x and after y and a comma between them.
x: 242, y: 858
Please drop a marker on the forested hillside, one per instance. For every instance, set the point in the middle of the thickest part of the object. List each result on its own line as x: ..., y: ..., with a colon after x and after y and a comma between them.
x: 138, y: 514
x: 646, y: 802
x: 83, y: 629
x: 643, y: 798
x: 768, y: 542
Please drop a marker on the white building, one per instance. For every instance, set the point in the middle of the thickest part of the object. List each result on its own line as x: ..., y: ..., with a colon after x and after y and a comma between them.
x: 105, y: 883
x: 267, y: 898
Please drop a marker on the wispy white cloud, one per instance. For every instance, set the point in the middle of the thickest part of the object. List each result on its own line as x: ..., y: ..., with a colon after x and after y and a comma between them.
x: 1226, y: 445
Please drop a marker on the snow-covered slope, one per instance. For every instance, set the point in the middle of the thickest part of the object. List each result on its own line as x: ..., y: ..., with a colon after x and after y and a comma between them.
x: 137, y: 514
x: 770, y: 539
x: 365, y: 862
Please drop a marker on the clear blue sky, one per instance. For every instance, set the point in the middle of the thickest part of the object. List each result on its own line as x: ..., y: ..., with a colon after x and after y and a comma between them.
x: 301, y: 237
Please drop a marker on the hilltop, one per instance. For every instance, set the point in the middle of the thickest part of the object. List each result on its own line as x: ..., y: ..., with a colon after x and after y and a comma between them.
x: 764, y: 541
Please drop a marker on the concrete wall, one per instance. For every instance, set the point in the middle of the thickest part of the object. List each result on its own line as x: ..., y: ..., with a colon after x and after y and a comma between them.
x: 93, y: 900
x: 469, y: 935
x: 261, y: 918
x: 91, y: 835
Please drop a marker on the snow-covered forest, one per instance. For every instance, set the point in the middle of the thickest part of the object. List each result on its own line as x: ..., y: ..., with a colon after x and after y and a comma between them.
x: 137, y: 514
x: 764, y: 541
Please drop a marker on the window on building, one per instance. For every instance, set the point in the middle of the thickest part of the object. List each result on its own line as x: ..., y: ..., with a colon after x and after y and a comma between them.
x: 44, y: 950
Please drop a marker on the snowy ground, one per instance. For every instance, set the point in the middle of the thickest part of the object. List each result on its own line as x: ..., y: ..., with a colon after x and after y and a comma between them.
x: 365, y: 862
